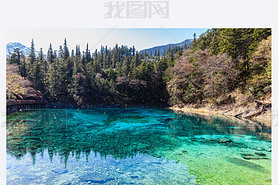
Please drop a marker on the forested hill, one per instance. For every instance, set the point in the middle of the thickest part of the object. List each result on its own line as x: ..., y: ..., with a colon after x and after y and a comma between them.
x: 220, y: 66
x: 222, y: 62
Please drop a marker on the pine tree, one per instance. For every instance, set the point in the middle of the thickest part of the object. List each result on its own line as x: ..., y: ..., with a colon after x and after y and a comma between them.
x: 32, y: 57
x: 111, y: 74
x: 101, y: 57
x: 108, y: 60
x: 65, y: 51
x: 114, y: 59
x: 40, y: 56
x: 36, y: 75
x: 133, y: 51
x: 194, y: 40
x: 64, y: 80
x: 50, y: 55
x: 55, y: 54
x: 171, y: 60
x: 15, y: 57
x: 22, y: 67
x: 185, y: 46
x: 87, y: 54
x: 194, y: 37
x: 145, y: 54
x: 60, y: 52
x: 126, y: 68
x: 53, y: 79
x: 77, y: 50
x: 43, y: 70
x: 96, y: 62
x: 137, y: 59
x: 74, y: 81
x: 72, y: 53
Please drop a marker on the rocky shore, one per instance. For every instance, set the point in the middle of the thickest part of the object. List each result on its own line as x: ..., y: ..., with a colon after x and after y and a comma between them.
x: 253, y: 112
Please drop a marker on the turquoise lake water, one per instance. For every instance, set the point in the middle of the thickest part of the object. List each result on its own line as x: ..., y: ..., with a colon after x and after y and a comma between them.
x: 134, y: 146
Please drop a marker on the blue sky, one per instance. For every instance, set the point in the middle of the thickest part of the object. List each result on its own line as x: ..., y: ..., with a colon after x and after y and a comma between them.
x: 141, y: 38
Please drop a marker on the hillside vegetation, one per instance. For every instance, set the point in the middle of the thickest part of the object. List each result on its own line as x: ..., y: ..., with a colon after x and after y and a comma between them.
x: 223, y: 69
x: 226, y: 69
x: 17, y: 86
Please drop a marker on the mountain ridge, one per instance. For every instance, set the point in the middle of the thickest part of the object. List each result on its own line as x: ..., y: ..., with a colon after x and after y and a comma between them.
x: 151, y: 51
x: 11, y: 46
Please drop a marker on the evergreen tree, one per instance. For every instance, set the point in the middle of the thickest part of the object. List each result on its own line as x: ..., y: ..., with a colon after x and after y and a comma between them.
x: 185, y: 46
x: 43, y: 70
x: 77, y: 50
x: 126, y: 68
x: 101, y: 57
x: 87, y: 54
x: 60, y: 53
x: 55, y: 54
x: 145, y: 54
x: 36, y: 75
x: 115, y: 56
x: 66, y: 50
x: 40, y: 56
x: 72, y: 53
x: 137, y: 59
x: 53, y: 79
x: 171, y: 60
x: 32, y: 57
x: 164, y: 52
x: 50, y: 55
x: 111, y: 74
x: 133, y: 51
x: 193, y: 43
x: 22, y: 67
x: 15, y: 57
x: 75, y: 81
x: 108, y: 60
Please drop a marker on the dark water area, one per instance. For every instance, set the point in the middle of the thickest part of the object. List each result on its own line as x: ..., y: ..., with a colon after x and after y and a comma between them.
x: 134, y: 146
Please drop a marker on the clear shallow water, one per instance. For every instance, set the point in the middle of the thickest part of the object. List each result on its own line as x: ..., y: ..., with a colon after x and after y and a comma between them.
x: 134, y: 146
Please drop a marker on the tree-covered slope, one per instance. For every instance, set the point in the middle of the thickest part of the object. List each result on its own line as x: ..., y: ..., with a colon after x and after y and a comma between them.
x: 219, y: 67
x: 220, y: 62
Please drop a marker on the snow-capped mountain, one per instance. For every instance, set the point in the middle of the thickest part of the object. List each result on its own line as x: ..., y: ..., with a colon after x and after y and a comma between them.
x: 13, y: 45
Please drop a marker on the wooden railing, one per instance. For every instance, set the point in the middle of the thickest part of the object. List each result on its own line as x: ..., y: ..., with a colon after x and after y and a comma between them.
x: 11, y: 102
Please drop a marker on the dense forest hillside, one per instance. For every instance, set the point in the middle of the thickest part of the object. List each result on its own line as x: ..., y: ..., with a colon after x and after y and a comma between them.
x: 220, y: 62
x: 110, y: 76
x: 222, y: 67
x: 227, y: 70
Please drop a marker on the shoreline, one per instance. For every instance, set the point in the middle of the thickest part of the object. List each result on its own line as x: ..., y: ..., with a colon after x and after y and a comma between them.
x: 262, y: 118
x: 11, y: 109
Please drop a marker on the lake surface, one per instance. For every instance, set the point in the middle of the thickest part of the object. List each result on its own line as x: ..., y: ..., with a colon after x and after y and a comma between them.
x: 134, y: 146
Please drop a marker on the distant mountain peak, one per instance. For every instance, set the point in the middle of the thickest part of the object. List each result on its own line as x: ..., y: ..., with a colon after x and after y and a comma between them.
x: 166, y: 47
x: 11, y: 46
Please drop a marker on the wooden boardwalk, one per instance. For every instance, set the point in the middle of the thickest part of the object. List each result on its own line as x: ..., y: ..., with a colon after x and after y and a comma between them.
x: 22, y: 105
